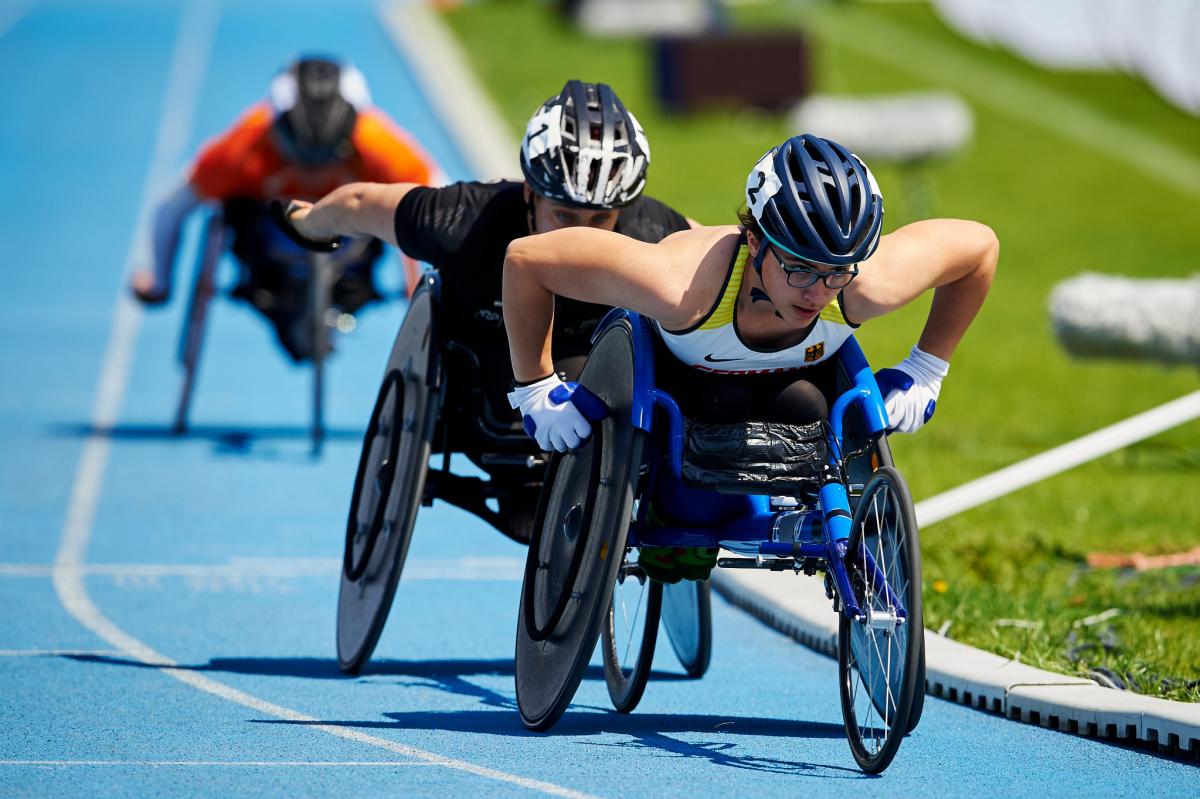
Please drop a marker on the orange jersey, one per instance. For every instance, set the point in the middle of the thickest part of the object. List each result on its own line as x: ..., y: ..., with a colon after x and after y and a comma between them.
x: 245, y: 162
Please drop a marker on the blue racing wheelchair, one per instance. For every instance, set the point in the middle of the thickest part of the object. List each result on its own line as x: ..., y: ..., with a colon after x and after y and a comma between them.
x: 838, y: 507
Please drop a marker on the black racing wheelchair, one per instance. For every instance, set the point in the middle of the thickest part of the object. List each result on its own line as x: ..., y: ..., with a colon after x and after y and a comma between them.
x: 807, y: 499
x: 288, y: 281
x: 430, y: 406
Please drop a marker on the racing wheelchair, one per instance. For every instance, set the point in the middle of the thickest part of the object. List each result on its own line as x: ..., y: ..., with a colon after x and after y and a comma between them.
x: 836, y: 505
x: 306, y: 277
x: 431, y: 403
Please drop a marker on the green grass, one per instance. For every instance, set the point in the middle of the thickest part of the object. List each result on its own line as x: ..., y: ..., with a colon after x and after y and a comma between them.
x: 1059, y: 208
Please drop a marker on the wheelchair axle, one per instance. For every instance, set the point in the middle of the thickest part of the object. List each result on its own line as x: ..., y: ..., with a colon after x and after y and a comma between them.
x: 808, y: 566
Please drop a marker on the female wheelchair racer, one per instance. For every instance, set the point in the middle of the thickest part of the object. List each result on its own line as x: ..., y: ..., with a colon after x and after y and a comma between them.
x: 767, y: 305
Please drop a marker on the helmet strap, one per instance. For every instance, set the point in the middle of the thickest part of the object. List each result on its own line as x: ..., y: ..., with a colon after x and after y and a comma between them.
x: 530, y: 214
x: 757, y: 261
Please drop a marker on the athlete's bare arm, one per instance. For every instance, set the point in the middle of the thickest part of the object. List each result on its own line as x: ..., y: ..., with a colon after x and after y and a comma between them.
x: 956, y: 258
x: 356, y: 209
x: 673, y: 281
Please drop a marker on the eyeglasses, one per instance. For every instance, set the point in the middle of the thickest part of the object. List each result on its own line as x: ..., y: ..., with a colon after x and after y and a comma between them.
x: 801, y: 277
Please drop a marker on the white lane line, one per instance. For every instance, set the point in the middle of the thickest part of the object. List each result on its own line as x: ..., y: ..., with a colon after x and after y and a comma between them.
x: 449, y: 85
x: 232, y: 763
x: 196, y: 32
x: 1059, y: 459
x: 1057, y: 112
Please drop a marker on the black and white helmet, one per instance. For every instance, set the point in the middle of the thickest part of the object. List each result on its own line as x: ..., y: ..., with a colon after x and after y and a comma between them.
x: 584, y: 148
x: 316, y: 102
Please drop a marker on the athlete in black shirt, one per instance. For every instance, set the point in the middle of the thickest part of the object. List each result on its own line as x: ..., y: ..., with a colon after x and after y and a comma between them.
x: 584, y: 159
x: 463, y: 230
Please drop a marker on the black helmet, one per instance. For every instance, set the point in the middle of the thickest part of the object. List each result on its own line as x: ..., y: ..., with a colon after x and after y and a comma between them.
x: 584, y: 148
x: 316, y: 101
x: 816, y: 200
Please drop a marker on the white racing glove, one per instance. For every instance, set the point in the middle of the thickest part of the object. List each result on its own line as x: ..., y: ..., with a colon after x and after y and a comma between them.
x: 910, y: 389
x: 555, y: 414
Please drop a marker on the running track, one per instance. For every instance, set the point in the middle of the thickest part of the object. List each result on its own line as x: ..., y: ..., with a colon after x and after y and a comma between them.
x: 169, y: 603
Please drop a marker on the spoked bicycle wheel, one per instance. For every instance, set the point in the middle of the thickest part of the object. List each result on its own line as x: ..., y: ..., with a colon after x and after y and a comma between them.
x: 687, y: 615
x: 879, y: 656
x: 878, y: 453
x: 630, y: 633
x: 388, y: 486
x: 578, y: 540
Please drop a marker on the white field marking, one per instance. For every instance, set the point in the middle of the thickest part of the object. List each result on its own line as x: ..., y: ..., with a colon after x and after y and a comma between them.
x: 192, y: 48
x: 38, y: 653
x: 474, y: 569
x: 234, y: 763
x: 11, y: 14
x: 1054, y: 111
x: 451, y: 88
x: 1059, y: 459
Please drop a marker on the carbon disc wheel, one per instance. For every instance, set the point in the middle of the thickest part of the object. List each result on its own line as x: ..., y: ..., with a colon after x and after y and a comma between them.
x: 578, y: 541
x: 388, y: 487
x: 687, y: 616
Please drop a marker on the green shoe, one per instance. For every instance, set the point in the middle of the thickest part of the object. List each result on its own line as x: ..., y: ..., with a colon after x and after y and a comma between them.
x: 672, y: 564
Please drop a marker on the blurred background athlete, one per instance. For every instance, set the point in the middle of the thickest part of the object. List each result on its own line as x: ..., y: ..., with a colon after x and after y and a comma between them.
x: 315, y: 131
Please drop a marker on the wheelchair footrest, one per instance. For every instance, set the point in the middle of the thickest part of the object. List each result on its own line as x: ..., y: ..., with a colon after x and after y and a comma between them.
x: 769, y: 458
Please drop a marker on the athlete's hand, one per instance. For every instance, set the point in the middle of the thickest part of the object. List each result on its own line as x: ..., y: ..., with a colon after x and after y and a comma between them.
x: 555, y: 414
x: 295, y: 221
x: 910, y: 389
x: 297, y: 212
x: 144, y: 285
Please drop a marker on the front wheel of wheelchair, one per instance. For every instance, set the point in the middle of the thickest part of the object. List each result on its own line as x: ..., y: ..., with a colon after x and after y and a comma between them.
x: 687, y: 615
x: 880, y: 454
x: 879, y: 655
x: 388, y: 486
x: 630, y: 633
x: 578, y: 541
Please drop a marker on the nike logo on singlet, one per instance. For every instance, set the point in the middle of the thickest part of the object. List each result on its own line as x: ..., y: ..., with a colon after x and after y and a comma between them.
x: 711, y: 359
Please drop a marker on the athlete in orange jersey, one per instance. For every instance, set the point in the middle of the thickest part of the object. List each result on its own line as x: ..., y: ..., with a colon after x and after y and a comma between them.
x: 317, y: 130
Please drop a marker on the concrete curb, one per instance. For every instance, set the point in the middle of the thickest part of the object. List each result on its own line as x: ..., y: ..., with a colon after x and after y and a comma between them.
x: 797, y: 607
x: 446, y: 79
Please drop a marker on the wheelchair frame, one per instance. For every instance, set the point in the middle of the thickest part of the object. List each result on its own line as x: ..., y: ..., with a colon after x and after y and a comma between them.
x: 191, y: 340
x: 832, y: 539
x: 372, y: 567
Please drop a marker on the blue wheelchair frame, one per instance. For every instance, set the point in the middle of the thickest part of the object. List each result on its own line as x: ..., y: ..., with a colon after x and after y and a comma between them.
x: 833, y: 511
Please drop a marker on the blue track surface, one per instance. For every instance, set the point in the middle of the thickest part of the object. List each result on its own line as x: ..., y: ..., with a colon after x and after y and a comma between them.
x: 220, y: 550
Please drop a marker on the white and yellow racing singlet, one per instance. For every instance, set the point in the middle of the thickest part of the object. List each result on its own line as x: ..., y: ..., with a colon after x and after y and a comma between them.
x: 713, y: 343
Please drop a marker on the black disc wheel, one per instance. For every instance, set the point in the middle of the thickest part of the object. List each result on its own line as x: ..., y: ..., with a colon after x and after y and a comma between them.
x: 578, y: 541
x: 687, y: 615
x: 879, y: 654
x: 388, y: 487
x: 630, y: 633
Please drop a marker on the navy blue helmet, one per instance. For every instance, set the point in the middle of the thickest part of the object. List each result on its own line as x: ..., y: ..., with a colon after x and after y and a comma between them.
x: 816, y: 200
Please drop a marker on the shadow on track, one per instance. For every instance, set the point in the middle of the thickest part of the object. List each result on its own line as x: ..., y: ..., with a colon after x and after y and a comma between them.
x: 227, y: 440
x: 649, y: 731
x: 327, y: 668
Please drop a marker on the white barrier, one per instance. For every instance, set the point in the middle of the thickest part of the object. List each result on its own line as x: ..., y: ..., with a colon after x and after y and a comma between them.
x: 900, y: 127
x: 1105, y: 316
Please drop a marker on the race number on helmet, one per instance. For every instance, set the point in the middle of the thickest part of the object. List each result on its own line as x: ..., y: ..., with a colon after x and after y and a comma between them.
x: 584, y: 148
x: 816, y: 200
